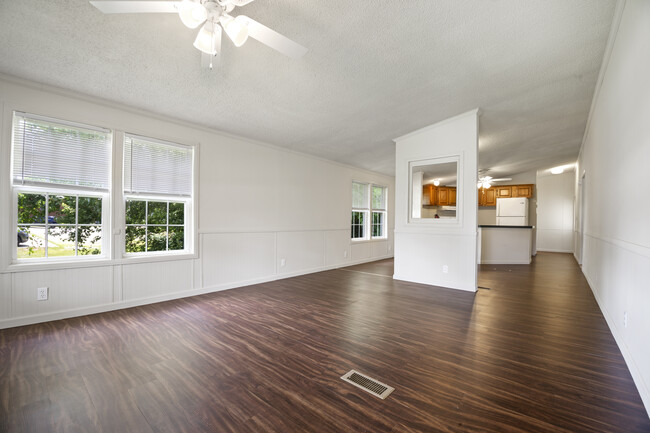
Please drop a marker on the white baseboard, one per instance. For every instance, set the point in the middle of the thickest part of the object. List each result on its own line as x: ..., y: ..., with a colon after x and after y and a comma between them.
x: 499, y: 262
x: 83, y: 311
x: 643, y: 389
x: 549, y: 250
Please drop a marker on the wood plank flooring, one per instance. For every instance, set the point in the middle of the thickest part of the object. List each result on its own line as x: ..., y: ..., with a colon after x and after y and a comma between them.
x: 531, y: 354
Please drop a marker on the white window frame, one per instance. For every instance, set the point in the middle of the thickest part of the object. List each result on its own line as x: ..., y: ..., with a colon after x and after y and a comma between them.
x: 106, y: 238
x: 187, y: 202
x: 383, y: 211
x: 365, y: 211
x: 56, y: 189
x: 190, y: 211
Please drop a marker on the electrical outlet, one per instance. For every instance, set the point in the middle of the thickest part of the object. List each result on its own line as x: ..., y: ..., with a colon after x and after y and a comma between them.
x: 625, y: 319
x: 283, y: 262
x: 345, y: 253
x: 41, y: 294
x: 445, y: 269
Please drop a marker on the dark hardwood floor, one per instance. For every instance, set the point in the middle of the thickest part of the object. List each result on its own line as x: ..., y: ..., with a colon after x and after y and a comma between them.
x: 531, y: 354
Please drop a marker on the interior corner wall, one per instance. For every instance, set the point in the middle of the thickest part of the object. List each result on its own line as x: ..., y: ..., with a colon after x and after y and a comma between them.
x: 555, y: 201
x: 264, y: 213
x: 422, y: 249
x: 614, y: 159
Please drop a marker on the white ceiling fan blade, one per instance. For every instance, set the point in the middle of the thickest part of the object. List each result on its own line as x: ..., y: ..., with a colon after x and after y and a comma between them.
x: 273, y: 39
x: 136, y: 7
x: 502, y: 179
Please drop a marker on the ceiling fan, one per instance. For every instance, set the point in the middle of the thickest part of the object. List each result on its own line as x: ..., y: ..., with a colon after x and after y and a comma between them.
x: 486, y: 181
x: 215, y: 16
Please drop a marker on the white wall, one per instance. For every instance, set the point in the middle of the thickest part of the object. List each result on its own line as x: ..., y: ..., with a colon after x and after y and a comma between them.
x: 615, y: 157
x: 257, y: 205
x: 422, y: 248
x: 555, y: 201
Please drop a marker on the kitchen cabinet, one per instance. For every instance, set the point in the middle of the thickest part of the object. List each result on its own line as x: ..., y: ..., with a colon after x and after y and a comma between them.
x: 438, y: 195
x: 488, y: 197
x: 443, y: 196
x: 522, y: 190
x: 503, y: 191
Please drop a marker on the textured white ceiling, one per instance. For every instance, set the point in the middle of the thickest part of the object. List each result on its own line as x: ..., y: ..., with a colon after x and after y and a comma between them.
x: 375, y: 70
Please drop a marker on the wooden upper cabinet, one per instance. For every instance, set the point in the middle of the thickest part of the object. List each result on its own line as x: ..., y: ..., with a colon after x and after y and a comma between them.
x: 438, y: 195
x: 522, y: 190
x: 443, y: 196
x: 488, y: 197
x: 503, y: 191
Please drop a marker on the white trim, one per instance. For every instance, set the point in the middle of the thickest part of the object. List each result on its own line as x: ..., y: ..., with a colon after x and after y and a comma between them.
x: 75, y: 312
x: 501, y: 262
x: 433, y: 222
x: 550, y: 250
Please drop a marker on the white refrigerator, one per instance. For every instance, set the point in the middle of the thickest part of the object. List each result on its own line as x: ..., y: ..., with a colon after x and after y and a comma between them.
x: 512, y: 211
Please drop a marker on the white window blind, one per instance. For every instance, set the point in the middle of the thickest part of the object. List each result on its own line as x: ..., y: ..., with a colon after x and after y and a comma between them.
x: 378, y: 197
x: 48, y: 151
x: 156, y: 167
x: 359, y: 195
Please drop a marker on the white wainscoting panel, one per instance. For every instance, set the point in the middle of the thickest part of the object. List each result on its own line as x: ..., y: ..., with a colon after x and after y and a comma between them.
x: 302, y: 251
x: 232, y: 257
x: 360, y: 251
x: 5, y: 296
x: 337, y: 247
x: 68, y: 289
x: 378, y: 249
x: 144, y: 280
x: 425, y: 265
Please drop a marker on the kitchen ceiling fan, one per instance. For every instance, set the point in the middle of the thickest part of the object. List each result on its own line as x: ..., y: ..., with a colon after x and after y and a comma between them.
x: 486, y: 181
x: 214, y: 15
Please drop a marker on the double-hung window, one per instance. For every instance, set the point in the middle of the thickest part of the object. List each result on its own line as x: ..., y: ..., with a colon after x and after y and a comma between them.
x: 158, y: 184
x: 360, y: 211
x: 378, y: 194
x: 61, y: 183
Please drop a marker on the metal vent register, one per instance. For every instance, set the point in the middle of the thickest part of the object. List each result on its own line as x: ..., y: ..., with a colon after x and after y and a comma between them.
x: 368, y: 384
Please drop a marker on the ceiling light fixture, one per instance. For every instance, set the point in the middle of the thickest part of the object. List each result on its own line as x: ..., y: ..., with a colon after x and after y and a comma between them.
x: 235, y: 28
x: 209, y: 39
x: 436, y: 182
x: 557, y: 170
x: 192, y: 14
x: 215, y: 17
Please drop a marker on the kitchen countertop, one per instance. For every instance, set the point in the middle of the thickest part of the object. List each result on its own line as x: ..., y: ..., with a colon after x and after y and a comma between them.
x: 505, y: 227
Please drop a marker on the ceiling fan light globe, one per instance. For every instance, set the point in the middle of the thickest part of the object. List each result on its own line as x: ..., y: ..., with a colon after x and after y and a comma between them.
x: 487, y: 185
x: 236, y: 29
x: 205, y: 40
x: 436, y: 182
x: 192, y: 14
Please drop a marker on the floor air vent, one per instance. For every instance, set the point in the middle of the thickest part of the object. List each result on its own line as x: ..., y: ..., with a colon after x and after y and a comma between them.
x: 368, y: 384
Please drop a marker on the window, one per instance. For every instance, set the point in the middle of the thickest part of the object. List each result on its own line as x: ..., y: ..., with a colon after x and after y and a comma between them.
x: 378, y: 211
x: 360, y: 210
x: 60, y: 182
x: 368, y: 211
x: 158, y: 179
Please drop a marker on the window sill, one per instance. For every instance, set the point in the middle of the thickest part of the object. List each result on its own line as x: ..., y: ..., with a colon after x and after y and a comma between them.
x: 362, y: 241
x: 57, y: 264
x: 162, y: 257
x: 95, y: 263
